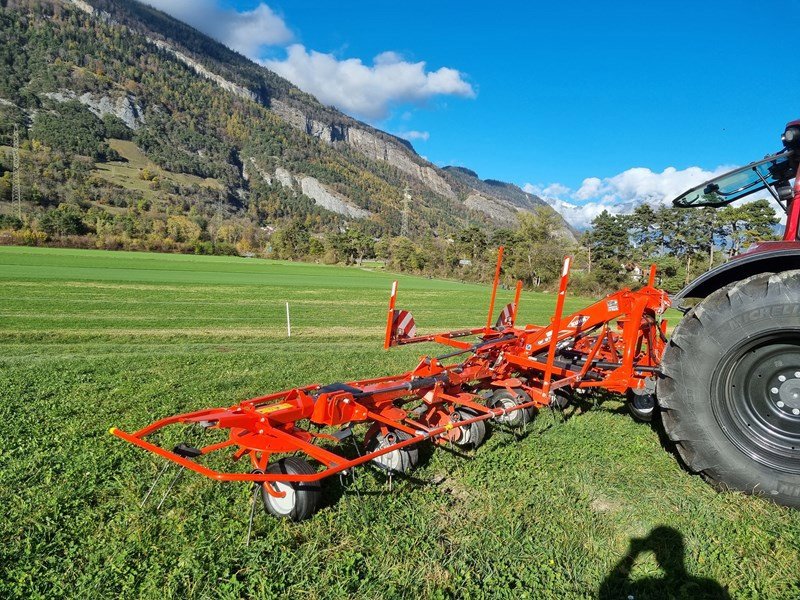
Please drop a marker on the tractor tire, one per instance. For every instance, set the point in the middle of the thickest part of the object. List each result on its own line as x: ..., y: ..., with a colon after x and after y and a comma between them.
x: 730, y: 387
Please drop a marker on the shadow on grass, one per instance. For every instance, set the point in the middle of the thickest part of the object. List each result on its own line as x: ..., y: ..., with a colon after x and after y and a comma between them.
x: 667, y: 545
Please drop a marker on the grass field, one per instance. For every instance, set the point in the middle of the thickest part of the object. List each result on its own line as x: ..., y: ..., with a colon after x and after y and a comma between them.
x: 587, y: 507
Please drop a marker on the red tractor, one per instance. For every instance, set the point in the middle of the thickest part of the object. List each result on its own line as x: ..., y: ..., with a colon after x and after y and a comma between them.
x: 729, y: 387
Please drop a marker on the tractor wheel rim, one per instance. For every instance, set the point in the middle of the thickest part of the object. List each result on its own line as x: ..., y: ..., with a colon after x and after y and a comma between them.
x: 756, y: 399
x: 285, y: 505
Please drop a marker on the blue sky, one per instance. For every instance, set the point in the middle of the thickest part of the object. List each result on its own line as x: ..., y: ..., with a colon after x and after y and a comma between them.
x: 591, y: 104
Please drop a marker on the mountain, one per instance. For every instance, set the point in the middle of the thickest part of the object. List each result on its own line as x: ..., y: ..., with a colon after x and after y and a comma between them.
x: 123, y: 109
x: 498, y: 199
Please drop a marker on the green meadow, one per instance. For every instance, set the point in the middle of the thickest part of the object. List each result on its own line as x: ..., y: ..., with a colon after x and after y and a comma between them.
x: 583, y: 504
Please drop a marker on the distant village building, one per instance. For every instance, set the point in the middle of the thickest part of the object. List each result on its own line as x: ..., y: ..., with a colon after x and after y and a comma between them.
x: 634, y: 270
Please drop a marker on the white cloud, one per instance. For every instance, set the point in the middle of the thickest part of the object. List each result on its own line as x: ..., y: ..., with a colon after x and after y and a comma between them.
x: 621, y: 193
x: 414, y: 135
x: 363, y: 90
x: 246, y: 32
x: 367, y: 90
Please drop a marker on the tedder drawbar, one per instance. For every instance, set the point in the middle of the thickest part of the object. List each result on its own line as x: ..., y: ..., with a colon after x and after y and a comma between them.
x: 294, y: 439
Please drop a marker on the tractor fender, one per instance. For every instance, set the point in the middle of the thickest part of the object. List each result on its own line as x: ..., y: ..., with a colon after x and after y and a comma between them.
x: 762, y: 258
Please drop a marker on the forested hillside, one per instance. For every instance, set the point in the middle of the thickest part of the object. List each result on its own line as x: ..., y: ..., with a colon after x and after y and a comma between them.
x: 138, y: 131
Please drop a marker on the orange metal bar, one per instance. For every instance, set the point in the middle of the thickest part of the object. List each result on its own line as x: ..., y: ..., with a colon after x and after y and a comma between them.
x: 417, y: 436
x: 556, y: 325
x: 651, y: 280
x: 592, y: 353
x: 517, y: 295
x: 440, y: 339
x: 387, y: 340
x: 494, y: 286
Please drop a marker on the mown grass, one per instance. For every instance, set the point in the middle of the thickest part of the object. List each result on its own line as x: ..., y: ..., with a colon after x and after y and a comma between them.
x: 95, y: 339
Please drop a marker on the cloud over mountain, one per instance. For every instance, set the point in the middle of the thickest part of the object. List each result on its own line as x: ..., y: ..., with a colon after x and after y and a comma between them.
x: 363, y: 90
x: 247, y: 32
x: 622, y: 192
x: 367, y: 90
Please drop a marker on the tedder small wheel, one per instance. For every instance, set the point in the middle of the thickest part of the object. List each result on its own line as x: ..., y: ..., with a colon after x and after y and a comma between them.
x: 641, y: 405
x: 472, y: 435
x: 730, y: 387
x: 301, y: 499
x: 509, y: 399
x: 396, y: 461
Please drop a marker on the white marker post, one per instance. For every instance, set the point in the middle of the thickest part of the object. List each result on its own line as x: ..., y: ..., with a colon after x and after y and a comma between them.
x: 288, y: 322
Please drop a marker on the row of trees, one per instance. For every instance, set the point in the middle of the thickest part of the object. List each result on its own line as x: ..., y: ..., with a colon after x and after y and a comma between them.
x: 683, y: 242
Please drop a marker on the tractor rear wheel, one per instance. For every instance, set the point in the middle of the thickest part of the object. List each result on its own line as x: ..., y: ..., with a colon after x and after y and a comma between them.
x: 730, y: 389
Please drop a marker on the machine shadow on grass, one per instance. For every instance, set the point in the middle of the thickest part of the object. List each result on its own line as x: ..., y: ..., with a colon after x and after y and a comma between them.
x: 349, y: 484
x: 667, y: 545
x: 336, y: 487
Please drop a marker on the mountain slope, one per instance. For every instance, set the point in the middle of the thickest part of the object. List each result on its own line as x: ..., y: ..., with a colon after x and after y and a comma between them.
x: 196, y: 108
x: 499, y: 199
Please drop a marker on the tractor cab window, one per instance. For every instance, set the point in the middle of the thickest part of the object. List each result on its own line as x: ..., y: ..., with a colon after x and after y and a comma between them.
x: 738, y: 183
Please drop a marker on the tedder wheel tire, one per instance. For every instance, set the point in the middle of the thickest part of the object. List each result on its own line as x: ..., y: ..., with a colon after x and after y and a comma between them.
x: 505, y: 399
x: 301, y: 499
x: 396, y: 461
x: 472, y: 435
x: 641, y: 405
x: 730, y: 390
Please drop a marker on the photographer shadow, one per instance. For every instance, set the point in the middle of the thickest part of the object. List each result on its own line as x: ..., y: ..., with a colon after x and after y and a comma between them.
x: 667, y: 545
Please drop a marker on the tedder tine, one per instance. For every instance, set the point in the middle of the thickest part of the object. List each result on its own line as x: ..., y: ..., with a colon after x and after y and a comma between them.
x: 172, y: 483
x: 256, y: 489
x: 153, y: 485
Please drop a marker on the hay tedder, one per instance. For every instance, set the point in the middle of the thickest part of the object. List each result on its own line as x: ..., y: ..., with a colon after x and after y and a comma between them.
x: 726, y: 384
x: 293, y: 438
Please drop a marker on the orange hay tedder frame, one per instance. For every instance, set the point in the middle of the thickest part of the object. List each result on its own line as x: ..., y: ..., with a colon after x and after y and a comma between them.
x: 506, y: 372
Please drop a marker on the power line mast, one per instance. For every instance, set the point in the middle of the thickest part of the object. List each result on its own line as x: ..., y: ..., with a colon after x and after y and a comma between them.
x: 406, y: 211
x: 16, y: 188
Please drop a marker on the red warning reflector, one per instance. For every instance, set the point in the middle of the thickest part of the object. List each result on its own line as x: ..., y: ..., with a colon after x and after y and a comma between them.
x: 506, y: 318
x: 403, y: 325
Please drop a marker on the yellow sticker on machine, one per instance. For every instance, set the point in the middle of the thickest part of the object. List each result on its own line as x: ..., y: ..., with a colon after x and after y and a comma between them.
x: 273, y: 407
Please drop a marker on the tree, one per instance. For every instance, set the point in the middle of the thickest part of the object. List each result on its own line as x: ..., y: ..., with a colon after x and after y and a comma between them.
x: 609, y: 248
x: 608, y: 238
x: 471, y: 242
x: 745, y: 224
x: 183, y: 229
x: 67, y: 219
x: 535, y: 252
x: 73, y: 128
x: 643, y: 230
x: 291, y: 242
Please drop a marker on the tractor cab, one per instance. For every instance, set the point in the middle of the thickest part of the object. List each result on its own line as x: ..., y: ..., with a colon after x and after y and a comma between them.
x: 774, y: 173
